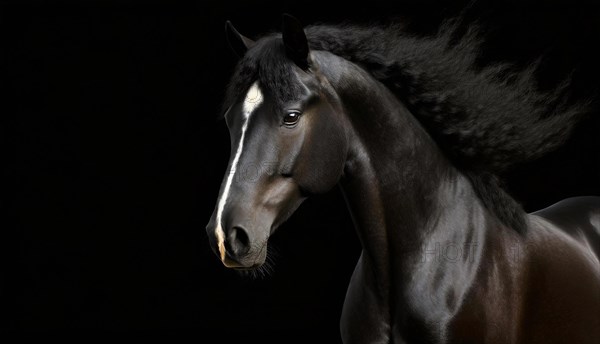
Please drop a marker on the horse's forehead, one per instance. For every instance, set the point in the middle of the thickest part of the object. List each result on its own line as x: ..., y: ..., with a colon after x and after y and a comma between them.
x: 254, y: 97
x: 277, y: 89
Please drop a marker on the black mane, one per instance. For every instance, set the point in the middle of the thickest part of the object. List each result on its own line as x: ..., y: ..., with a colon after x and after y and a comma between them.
x: 485, y: 119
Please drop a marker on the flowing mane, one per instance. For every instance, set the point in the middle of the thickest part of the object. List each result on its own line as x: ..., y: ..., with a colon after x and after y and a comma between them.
x: 484, y: 119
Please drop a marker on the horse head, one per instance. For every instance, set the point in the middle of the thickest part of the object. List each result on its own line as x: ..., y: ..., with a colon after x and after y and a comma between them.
x: 288, y: 141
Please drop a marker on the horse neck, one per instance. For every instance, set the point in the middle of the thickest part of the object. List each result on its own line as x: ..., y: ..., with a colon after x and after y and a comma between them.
x: 407, y: 201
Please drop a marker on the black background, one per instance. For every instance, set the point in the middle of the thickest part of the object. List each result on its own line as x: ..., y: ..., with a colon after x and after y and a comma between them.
x: 114, y: 158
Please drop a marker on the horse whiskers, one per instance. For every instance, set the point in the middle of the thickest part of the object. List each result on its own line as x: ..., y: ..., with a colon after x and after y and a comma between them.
x: 267, y: 268
x: 259, y: 273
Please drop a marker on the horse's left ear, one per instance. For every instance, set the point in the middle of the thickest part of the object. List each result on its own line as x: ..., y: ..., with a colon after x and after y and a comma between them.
x: 294, y: 39
x: 237, y: 42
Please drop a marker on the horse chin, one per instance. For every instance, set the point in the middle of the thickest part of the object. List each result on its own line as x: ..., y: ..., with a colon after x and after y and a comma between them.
x: 256, y: 271
x: 247, y: 268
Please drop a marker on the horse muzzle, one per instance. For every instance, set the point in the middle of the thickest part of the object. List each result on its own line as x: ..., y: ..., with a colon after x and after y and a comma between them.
x: 235, y: 248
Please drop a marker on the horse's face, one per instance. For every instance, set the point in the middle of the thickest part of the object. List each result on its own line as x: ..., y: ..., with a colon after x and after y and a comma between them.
x: 281, y: 152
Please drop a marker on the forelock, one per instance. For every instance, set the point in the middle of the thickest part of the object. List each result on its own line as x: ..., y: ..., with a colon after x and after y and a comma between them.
x: 267, y: 63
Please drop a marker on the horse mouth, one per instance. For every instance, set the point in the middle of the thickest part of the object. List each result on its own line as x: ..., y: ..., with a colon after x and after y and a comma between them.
x: 234, y: 264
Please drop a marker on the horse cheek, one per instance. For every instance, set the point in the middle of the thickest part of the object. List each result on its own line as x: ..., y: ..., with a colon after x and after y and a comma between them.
x: 323, y: 154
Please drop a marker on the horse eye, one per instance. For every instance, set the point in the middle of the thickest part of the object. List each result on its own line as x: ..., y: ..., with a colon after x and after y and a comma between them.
x: 291, y: 118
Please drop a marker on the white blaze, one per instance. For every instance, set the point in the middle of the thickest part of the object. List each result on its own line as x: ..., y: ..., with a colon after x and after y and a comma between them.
x: 253, y: 99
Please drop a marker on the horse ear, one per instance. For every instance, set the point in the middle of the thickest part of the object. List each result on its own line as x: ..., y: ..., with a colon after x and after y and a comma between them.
x: 237, y: 42
x: 294, y: 39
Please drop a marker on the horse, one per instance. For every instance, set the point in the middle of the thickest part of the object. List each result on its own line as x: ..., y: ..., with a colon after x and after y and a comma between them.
x: 415, y: 136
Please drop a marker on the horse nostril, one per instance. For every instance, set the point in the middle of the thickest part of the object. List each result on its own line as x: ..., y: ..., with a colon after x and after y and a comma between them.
x: 238, y: 242
x: 241, y: 236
